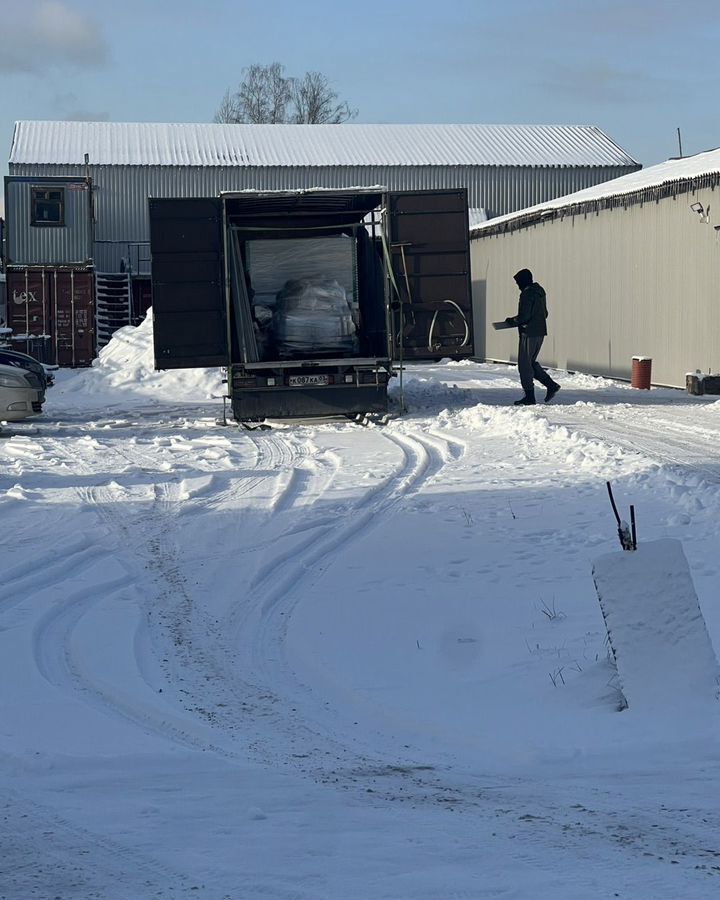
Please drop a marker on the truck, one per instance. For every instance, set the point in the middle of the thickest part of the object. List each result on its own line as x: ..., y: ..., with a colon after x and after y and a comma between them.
x: 311, y: 300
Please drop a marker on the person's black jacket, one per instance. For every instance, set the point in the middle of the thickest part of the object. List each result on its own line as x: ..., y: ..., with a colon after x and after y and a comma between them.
x: 532, y: 312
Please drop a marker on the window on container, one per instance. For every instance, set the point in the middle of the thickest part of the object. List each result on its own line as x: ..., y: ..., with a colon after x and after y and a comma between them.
x: 48, y: 206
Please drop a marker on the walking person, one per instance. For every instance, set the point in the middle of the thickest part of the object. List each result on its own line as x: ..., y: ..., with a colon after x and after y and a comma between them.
x: 532, y: 328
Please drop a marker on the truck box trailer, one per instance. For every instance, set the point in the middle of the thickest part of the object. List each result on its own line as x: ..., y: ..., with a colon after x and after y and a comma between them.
x: 313, y: 300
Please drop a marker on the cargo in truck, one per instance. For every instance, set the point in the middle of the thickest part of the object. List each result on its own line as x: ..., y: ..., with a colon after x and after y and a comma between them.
x: 312, y: 300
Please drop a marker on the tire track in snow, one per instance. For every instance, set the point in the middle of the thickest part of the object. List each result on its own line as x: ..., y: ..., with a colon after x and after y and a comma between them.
x: 46, y: 856
x: 152, y: 533
x: 248, y: 709
x: 219, y: 679
x: 61, y: 664
x: 271, y: 456
x: 288, y: 570
x: 53, y: 634
x: 312, y: 473
x: 48, y: 569
x: 453, y: 448
x: 409, y: 785
x: 278, y: 589
x: 310, y: 477
x: 154, y: 540
x: 420, y: 461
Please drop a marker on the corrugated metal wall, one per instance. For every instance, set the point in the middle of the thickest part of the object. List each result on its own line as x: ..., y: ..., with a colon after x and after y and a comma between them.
x: 639, y: 281
x: 122, y: 191
x: 28, y: 244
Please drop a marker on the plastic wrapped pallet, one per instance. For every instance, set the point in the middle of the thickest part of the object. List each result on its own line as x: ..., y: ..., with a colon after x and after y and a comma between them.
x: 271, y: 263
x: 312, y: 316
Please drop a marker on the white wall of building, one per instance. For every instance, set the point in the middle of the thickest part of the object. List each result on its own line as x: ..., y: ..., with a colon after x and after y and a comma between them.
x: 641, y: 280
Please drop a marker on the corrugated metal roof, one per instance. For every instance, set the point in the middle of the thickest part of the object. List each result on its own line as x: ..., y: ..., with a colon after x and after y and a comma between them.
x: 671, y: 172
x: 154, y: 144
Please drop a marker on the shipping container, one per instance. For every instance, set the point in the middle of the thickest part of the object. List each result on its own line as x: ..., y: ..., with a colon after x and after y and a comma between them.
x: 52, y: 314
x: 52, y: 221
x: 311, y: 299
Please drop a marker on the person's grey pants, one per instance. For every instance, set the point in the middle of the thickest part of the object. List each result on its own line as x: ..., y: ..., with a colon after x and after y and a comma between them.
x: 528, y: 366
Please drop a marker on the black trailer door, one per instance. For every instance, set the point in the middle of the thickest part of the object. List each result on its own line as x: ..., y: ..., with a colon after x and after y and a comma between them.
x: 188, y: 297
x: 430, y: 251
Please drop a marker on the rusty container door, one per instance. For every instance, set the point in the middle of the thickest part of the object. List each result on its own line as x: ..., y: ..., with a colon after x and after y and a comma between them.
x: 74, y: 318
x: 141, y: 299
x: 52, y: 315
x: 28, y: 303
x: 430, y: 250
x: 28, y: 313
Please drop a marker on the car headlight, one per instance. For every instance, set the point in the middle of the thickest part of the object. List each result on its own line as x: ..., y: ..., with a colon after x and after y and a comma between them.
x: 33, y: 381
x: 12, y: 381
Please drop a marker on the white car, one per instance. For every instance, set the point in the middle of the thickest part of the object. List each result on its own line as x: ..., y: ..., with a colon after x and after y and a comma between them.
x: 20, y: 394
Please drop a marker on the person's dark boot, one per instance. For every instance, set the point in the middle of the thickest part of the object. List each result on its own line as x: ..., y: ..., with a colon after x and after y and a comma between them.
x: 551, y: 391
x: 527, y: 400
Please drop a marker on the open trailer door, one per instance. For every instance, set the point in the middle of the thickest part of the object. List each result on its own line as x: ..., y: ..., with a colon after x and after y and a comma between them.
x: 430, y: 252
x: 188, y: 295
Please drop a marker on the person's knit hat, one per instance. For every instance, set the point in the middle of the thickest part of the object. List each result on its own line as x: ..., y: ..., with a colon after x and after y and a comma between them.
x: 523, y: 278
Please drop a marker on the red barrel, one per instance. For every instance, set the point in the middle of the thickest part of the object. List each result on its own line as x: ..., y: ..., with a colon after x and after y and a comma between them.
x: 641, y: 372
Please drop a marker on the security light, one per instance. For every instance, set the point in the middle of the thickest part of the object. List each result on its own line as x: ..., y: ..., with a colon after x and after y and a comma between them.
x: 698, y: 208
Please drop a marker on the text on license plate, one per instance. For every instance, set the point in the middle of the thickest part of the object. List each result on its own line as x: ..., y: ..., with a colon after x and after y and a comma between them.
x: 305, y: 380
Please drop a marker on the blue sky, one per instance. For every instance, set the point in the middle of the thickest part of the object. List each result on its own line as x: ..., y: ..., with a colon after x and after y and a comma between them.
x: 638, y: 69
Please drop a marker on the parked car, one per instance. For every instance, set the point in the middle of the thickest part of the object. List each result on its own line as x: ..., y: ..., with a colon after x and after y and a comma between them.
x: 21, y: 394
x: 29, y: 364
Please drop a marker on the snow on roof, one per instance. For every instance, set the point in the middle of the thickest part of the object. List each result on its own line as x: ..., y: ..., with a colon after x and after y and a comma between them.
x: 155, y: 144
x: 476, y: 215
x: 671, y: 172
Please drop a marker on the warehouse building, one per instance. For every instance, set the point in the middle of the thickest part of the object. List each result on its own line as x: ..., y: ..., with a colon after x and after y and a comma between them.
x: 631, y: 269
x: 77, y: 245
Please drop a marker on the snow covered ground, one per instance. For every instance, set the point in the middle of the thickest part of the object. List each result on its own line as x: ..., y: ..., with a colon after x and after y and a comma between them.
x: 326, y: 661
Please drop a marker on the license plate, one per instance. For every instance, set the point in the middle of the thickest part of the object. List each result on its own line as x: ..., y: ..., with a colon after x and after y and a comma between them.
x: 308, y: 380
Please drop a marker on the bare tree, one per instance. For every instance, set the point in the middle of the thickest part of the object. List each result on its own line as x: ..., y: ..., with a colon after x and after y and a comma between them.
x: 228, y: 111
x: 317, y: 103
x: 267, y: 95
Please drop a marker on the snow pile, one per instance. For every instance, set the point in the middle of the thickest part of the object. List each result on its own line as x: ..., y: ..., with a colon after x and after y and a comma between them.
x: 657, y: 632
x: 127, y: 366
